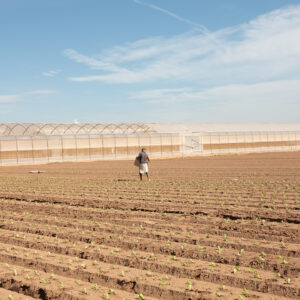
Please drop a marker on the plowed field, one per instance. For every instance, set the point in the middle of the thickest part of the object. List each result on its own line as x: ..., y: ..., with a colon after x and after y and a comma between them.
x: 220, y: 227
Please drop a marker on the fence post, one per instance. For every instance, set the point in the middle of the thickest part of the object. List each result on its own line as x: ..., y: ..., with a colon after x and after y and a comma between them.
x: 32, y: 149
x: 48, y: 148
x: 17, y: 149
x: 76, y: 146
x: 160, y: 145
x: 90, y: 158
x: 115, y: 140
x: 127, y: 146
x: 62, y: 148
x: 102, y: 146
x: 0, y: 151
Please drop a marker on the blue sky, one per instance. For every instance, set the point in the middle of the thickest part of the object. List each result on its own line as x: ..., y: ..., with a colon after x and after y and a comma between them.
x: 149, y: 61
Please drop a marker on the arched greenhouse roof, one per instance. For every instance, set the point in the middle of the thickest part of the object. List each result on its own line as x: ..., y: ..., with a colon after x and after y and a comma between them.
x: 19, y: 129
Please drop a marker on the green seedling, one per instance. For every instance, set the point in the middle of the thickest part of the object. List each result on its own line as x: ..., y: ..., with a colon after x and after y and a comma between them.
x: 85, y: 291
x: 218, y: 294
x: 105, y: 296
x: 240, y: 252
x: 52, y: 276
x: 111, y: 291
x: 245, y: 292
x: 189, y: 285
x: 15, y: 272
x: 10, y: 297
x: 256, y: 275
x: 42, y: 281
x: 95, y: 286
x: 140, y: 296
x: 288, y: 281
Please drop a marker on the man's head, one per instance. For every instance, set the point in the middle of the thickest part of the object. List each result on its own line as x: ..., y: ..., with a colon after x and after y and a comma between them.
x: 143, y: 149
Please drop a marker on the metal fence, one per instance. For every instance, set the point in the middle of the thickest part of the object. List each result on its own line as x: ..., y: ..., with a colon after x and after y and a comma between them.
x: 53, y: 148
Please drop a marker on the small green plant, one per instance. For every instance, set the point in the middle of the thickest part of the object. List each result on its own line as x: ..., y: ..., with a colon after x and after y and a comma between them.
x: 288, y: 281
x: 218, y: 293
x: 245, y: 292
x: 140, y: 296
x: 189, y: 285
x: 85, y: 291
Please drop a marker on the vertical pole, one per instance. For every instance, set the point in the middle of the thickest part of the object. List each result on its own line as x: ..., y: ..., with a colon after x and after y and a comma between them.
x: 62, y: 148
x: 48, y: 156
x: 90, y: 157
x: 115, y: 140
x: 1, y: 151
x: 76, y: 146
x: 17, y: 149
x: 102, y: 147
x: 32, y: 149
x: 127, y: 145
x: 161, y: 145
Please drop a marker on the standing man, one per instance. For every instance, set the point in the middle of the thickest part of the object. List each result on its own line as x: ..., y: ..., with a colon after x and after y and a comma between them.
x: 143, y: 160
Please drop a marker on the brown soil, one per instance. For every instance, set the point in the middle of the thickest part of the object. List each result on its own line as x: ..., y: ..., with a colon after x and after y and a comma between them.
x: 204, y: 228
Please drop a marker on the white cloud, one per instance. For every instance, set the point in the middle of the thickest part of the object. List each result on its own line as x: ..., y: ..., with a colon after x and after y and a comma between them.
x: 265, y: 49
x: 283, y: 91
x: 51, y: 73
x: 21, y: 96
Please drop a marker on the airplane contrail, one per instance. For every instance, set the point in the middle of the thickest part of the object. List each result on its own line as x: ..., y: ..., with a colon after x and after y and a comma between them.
x: 197, y: 26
